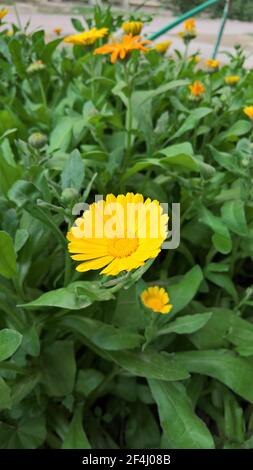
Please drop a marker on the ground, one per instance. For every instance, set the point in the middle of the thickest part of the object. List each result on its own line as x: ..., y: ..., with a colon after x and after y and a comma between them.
x: 48, y: 17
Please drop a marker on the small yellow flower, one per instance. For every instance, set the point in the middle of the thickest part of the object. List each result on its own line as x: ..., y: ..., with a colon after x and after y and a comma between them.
x: 162, y: 47
x: 157, y: 299
x: 195, y: 58
x: 232, y: 79
x: 86, y: 37
x: 57, y: 31
x: 3, y: 13
x: 190, y: 25
x: 212, y: 64
x: 9, y: 33
x: 248, y: 110
x: 132, y: 27
x: 119, y: 50
x: 118, y: 234
x: 197, y: 88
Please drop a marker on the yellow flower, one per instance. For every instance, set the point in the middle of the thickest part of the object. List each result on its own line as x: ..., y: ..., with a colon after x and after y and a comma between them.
x: 132, y: 27
x: 9, y: 33
x: 195, y: 58
x: 212, y: 64
x: 3, y: 13
x: 248, y: 110
x: 86, y: 37
x: 197, y: 88
x: 57, y: 31
x: 162, y: 47
x: 119, y: 50
x: 157, y: 299
x: 118, y: 234
x: 190, y: 25
x: 232, y: 79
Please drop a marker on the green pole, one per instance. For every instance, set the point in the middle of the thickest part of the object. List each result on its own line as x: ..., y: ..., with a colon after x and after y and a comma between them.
x: 182, y: 18
x: 222, y: 26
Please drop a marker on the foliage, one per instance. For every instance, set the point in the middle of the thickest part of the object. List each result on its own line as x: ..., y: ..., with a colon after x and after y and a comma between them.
x: 82, y: 363
x: 239, y: 9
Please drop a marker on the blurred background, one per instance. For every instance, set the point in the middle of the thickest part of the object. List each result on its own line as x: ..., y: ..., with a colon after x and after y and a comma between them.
x: 158, y: 13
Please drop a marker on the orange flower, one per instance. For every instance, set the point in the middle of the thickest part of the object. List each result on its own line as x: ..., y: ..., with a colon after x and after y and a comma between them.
x: 190, y: 25
x: 197, y: 88
x: 57, y: 31
x: 119, y: 50
x: 213, y: 64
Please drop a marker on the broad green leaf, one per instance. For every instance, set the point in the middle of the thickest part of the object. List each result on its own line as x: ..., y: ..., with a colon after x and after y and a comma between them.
x: 15, y: 48
x: 8, y: 267
x: 234, y: 419
x: 186, y: 324
x: 185, y: 290
x: 5, y: 396
x: 10, y: 340
x: 139, y: 97
x: 88, y: 380
x: 76, y: 437
x: 192, y: 120
x: 239, y: 128
x: 21, y: 238
x: 224, y: 281
x: 141, y: 417
x: 79, y: 294
x: 183, y: 428
x: 233, y: 215
x: 24, y: 386
x: 58, y: 368
x: 221, y: 237
x: 149, y: 364
x: 28, y: 433
x: 101, y: 334
x: 223, y: 365
x: 73, y: 172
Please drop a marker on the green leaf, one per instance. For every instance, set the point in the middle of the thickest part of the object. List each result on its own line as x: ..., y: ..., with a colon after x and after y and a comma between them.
x: 224, y: 281
x: 185, y: 290
x: 88, y: 380
x: 5, y: 396
x: 149, y: 364
x: 21, y: 238
x: 79, y: 294
x: 15, y: 48
x: 182, y: 427
x: 186, y: 324
x: 73, y: 172
x: 192, y: 120
x: 8, y: 267
x: 233, y: 216
x: 223, y: 365
x: 58, y: 368
x: 10, y: 341
x: 101, y: 334
x: 28, y: 433
x: 76, y: 437
x: 221, y: 237
x: 238, y: 129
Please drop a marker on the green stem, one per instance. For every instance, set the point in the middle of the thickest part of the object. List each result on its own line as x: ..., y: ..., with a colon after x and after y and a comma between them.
x: 129, y: 118
x: 42, y: 91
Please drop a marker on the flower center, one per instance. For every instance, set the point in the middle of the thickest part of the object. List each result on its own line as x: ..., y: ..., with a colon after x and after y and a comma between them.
x: 122, y: 247
x: 154, y: 303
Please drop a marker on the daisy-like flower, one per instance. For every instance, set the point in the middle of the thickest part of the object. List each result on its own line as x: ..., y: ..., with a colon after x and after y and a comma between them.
x: 156, y: 298
x: 119, y: 50
x: 248, y: 110
x: 118, y: 234
x: 212, y: 64
x: 86, y: 37
x: 57, y: 31
x: 162, y: 47
x: 132, y: 27
x: 197, y: 89
x: 232, y: 79
x: 190, y: 25
x: 3, y: 13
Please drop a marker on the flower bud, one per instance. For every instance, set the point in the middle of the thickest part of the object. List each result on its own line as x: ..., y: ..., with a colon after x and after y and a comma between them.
x: 37, y: 140
x: 36, y: 67
x: 69, y: 195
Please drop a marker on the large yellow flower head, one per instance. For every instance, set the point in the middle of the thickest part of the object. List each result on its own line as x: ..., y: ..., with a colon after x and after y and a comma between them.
x: 119, y: 50
x: 162, y: 47
x: 232, y: 79
x: 118, y: 234
x: 248, y: 110
x: 132, y: 27
x: 197, y: 89
x: 86, y: 37
x: 157, y: 299
x: 3, y: 13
